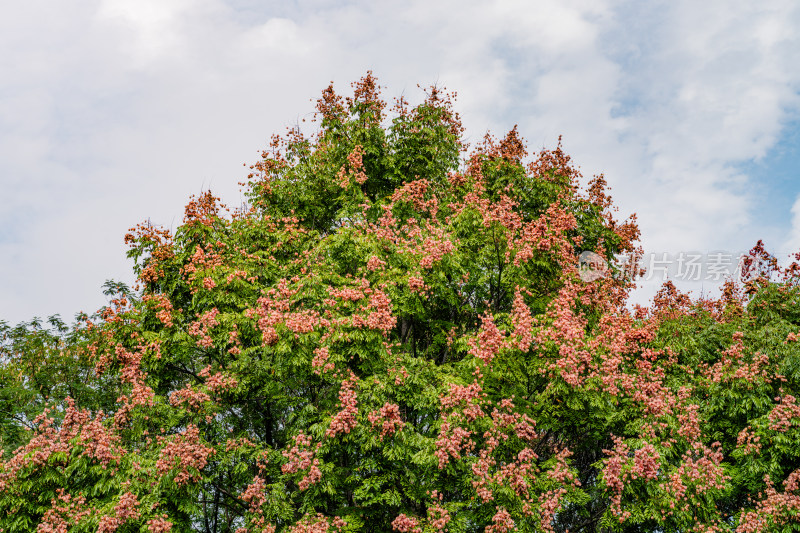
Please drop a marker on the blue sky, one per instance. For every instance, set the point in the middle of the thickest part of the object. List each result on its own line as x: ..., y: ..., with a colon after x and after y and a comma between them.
x: 115, y: 111
x: 778, y: 174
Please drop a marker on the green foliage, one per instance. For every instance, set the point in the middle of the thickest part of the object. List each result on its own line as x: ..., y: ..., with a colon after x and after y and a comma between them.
x: 42, y: 364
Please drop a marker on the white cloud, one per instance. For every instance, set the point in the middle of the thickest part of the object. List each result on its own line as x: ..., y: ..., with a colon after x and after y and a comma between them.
x: 792, y: 243
x: 115, y: 111
x: 152, y: 29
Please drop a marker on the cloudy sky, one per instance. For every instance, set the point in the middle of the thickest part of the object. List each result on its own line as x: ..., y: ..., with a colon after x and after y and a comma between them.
x: 116, y: 111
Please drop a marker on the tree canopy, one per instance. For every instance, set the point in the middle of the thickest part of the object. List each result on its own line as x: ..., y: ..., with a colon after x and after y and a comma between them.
x: 393, y: 335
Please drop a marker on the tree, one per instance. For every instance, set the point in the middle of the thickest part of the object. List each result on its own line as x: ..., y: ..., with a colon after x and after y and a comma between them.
x: 393, y: 338
x: 43, y: 364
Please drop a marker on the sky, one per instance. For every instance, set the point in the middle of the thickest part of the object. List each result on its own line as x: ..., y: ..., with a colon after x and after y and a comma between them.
x: 113, y: 112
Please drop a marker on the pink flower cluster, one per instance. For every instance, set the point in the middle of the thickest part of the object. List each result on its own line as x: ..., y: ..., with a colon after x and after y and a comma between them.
x: 483, y: 477
x: 375, y: 263
x: 160, y: 524
x: 189, y: 453
x: 220, y: 382
x: 561, y: 471
x: 126, y: 509
x: 700, y: 470
x: 201, y: 327
x: 380, y: 314
x: 522, y: 322
x: 255, y: 493
x: 470, y: 397
x: 689, y: 422
x: 646, y: 462
x: 547, y: 233
x: 346, y: 419
x: 614, y: 475
x: 194, y: 399
x: 489, y: 341
x: 320, y: 361
x: 434, y: 251
x: 750, y: 443
x: 204, y: 258
x: 416, y: 284
x: 406, y: 524
x: 438, y: 516
x: 163, y: 306
x: 275, y: 309
x: 566, y: 333
x: 78, y: 430
x: 785, y: 414
x: 141, y: 393
x: 300, y: 459
x: 301, y: 321
x: 518, y: 473
x: 65, y: 511
x: 501, y: 522
x: 388, y: 418
x: 451, y: 442
x: 129, y: 362
x: 549, y: 504
x: 415, y: 192
x: 348, y: 294
x: 355, y: 170
x: 239, y: 274
x: 98, y: 442
x: 316, y: 524
x: 733, y: 365
x: 775, y: 509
